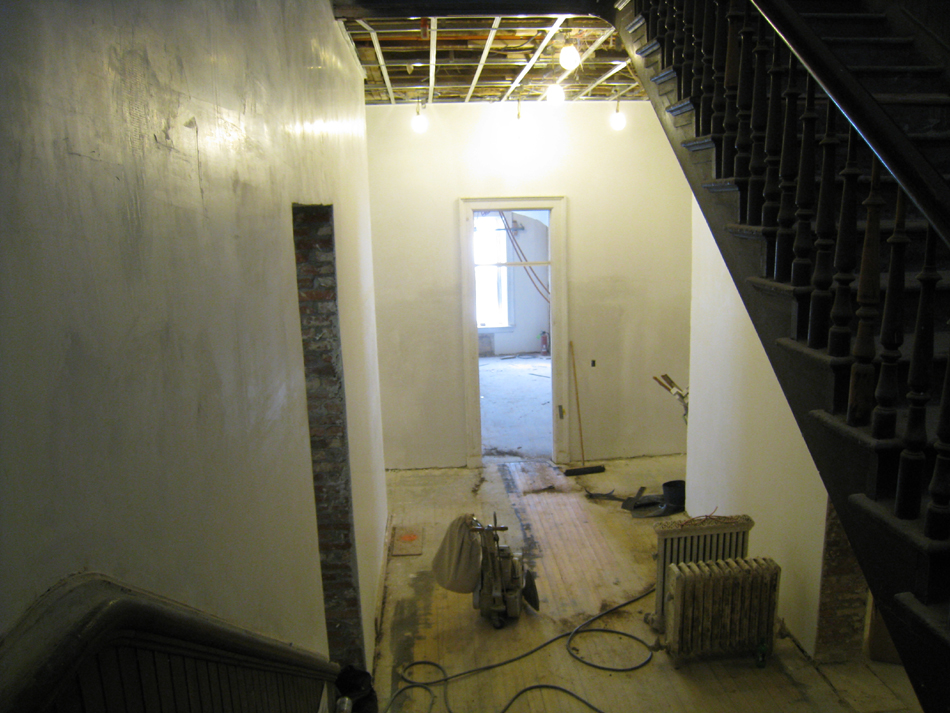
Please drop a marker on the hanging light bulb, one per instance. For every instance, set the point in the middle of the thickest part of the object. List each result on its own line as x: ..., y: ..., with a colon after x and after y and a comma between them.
x: 617, y: 119
x: 420, y: 122
x: 569, y: 58
x: 555, y: 93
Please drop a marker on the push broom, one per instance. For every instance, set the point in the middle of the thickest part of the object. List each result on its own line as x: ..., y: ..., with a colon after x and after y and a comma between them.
x: 585, y: 470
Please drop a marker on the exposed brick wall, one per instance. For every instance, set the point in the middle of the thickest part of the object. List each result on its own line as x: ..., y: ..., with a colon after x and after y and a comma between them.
x: 842, y: 606
x: 323, y: 367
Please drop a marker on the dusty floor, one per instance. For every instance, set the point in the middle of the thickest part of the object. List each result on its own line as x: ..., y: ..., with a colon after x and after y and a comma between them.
x: 588, y: 556
x: 516, y: 406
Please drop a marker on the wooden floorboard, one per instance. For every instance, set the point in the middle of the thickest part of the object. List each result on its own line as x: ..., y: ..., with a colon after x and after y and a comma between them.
x: 587, y: 555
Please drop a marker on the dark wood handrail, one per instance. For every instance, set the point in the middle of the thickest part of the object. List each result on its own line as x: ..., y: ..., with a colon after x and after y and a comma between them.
x: 923, y: 184
x: 72, y: 621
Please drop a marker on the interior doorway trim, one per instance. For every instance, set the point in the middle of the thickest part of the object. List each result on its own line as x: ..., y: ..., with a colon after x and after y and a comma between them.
x: 557, y: 236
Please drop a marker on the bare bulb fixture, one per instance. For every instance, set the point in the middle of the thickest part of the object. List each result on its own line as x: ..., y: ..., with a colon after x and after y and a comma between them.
x: 420, y: 122
x: 617, y: 120
x: 569, y: 58
x: 555, y: 93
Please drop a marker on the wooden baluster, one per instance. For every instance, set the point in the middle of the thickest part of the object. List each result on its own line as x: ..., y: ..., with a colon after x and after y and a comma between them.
x: 788, y: 170
x: 913, y: 461
x: 773, y: 155
x: 759, y: 121
x: 719, y: 81
x: 741, y: 171
x: 653, y: 12
x: 937, y: 514
x: 684, y: 75
x: 805, y: 198
x: 884, y: 416
x: 823, y: 275
x: 709, y: 72
x: 861, y: 392
x: 669, y: 32
x: 679, y: 44
x: 730, y: 120
x: 839, y: 334
x: 696, y: 90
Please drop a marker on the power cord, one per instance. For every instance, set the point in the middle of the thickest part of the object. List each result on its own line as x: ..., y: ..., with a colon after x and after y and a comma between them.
x: 569, y: 635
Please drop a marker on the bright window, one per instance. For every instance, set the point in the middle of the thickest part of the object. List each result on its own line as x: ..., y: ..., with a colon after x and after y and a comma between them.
x: 492, y: 303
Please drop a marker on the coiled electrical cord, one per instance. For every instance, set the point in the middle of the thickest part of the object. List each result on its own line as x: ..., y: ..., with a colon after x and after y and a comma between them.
x: 569, y: 635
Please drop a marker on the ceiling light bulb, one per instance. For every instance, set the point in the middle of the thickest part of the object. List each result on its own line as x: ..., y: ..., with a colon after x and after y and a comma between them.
x: 569, y: 58
x: 420, y: 122
x: 555, y: 93
x: 618, y: 120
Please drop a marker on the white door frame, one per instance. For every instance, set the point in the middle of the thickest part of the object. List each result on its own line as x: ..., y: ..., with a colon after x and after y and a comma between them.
x: 557, y: 236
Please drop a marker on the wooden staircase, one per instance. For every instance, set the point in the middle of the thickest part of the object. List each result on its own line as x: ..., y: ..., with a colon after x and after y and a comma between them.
x: 816, y: 139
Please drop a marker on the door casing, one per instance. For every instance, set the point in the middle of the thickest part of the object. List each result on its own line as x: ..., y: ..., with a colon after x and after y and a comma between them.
x: 557, y: 236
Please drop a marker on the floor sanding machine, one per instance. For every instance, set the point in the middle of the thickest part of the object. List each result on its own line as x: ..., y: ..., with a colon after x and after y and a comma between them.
x: 472, y: 559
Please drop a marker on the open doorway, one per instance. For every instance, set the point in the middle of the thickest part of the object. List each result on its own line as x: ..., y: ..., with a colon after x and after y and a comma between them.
x: 515, y: 320
x: 513, y: 313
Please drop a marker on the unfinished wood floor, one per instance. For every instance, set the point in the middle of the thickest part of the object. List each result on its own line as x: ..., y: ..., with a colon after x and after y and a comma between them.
x: 587, y: 556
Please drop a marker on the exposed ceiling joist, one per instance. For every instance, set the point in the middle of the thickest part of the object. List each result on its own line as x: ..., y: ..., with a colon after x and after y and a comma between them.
x: 588, y: 53
x: 380, y: 60
x: 484, y: 57
x: 488, y: 58
x: 433, y: 43
x: 603, y: 78
x: 534, y: 58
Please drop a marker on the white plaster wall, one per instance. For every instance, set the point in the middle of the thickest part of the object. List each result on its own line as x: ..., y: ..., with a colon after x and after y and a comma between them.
x: 745, y: 452
x: 153, y: 418
x: 628, y: 265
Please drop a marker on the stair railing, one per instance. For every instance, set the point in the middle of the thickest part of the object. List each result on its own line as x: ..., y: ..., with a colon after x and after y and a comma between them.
x: 743, y: 60
x: 900, y: 156
x: 752, y: 107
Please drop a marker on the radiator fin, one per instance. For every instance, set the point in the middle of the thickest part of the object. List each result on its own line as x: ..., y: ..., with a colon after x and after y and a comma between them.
x: 721, y: 608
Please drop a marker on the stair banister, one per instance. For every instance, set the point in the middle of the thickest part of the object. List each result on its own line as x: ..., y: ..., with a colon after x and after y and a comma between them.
x: 759, y: 120
x: 923, y: 184
x: 742, y: 169
x: 884, y: 416
x: 819, y: 312
x: 913, y: 459
x: 861, y: 392
x: 788, y: 175
x: 839, y: 334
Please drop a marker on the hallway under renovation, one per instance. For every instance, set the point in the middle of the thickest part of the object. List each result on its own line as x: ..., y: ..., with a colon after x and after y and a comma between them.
x: 588, y: 555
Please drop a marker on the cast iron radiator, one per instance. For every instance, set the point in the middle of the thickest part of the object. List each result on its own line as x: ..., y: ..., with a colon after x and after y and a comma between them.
x: 721, y: 608
x: 696, y: 540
